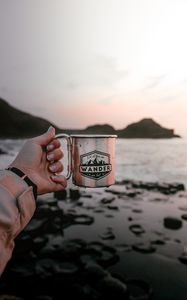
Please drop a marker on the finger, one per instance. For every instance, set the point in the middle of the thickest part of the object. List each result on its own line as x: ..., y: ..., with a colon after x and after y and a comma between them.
x: 60, y: 180
x: 53, y: 145
x: 45, y: 138
x: 55, y: 155
x: 56, y: 167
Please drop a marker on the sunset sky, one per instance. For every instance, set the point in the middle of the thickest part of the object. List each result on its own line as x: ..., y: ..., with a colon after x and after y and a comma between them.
x: 81, y: 62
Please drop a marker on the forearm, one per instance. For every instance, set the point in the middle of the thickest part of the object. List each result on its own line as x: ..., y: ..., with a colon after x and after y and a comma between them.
x: 17, y: 205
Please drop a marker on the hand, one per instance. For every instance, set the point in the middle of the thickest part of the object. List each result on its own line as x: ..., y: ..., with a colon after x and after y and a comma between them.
x: 39, y: 160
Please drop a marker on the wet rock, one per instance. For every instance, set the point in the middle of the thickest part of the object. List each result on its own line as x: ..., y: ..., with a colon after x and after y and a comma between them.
x: 52, y: 202
x: 47, y: 268
x: 136, y: 229
x: 109, y: 216
x: 139, y: 289
x: 184, y: 207
x: 165, y: 188
x: 36, y: 226
x: 94, y: 272
x: 122, y: 190
x: 159, y: 199
x: 117, y: 190
x: 112, y: 288
x: 184, y: 217
x: 144, y: 247
x: 108, y: 235
x: 158, y: 242
x: 172, y: 223
x: 177, y: 241
x: 74, y: 194
x: 137, y: 210
x: 47, y: 212
x: 113, y: 207
x: 60, y: 195
x: 3, y: 152
x: 123, y: 247
x: 43, y: 297
x: 9, y: 297
x: 107, y: 200
x: 83, y: 219
x: 39, y: 242
x: 59, y: 248
x: 98, y: 210
x: 104, y: 255
x: 183, y: 258
x: 183, y: 194
x: 132, y: 193
x: 23, y: 244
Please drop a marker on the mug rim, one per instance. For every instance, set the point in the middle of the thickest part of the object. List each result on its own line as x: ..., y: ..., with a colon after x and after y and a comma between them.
x: 94, y: 135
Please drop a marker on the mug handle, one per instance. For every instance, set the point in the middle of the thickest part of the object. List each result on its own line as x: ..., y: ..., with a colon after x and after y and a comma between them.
x: 68, y: 140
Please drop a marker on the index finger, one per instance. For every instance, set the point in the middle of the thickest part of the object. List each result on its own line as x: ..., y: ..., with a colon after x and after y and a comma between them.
x: 54, y: 144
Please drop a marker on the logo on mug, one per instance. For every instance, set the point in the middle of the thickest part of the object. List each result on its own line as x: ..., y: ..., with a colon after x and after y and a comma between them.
x: 95, y: 164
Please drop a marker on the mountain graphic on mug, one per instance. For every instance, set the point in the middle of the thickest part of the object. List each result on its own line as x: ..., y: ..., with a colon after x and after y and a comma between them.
x: 95, y: 164
x: 95, y: 159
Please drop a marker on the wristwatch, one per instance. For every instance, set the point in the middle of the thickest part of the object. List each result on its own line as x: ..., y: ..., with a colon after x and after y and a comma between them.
x: 25, y: 178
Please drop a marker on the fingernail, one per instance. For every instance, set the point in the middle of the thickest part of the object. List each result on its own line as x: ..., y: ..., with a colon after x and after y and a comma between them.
x: 53, y: 177
x: 50, y: 128
x: 50, y: 147
x: 50, y: 156
x: 52, y: 168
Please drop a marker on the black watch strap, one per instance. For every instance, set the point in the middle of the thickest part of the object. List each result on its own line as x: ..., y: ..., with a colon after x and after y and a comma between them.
x: 25, y: 178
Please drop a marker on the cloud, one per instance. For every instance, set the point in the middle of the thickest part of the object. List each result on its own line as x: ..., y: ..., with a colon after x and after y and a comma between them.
x: 107, y: 100
x: 71, y: 85
x: 97, y: 72
x: 106, y: 71
x: 155, y: 81
x: 169, y: 98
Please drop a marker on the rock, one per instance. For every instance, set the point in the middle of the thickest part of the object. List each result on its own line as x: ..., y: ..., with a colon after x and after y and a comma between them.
x: 144, y: 247
x: 60, y: 195
x: 184, y: 217
x: 94, y: 272
x: 136, y: 229
x: 146, y: 128
x: 107, y: 200
x: 9, y: 297
x: 112, y: 288
x: 3, y: 152
x: 74, y: 194
x: 172, y: 223
x: 107, y: 235
x: 139, y: 289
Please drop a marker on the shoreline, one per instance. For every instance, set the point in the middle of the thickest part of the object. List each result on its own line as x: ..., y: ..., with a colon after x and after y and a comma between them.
x: 103, y: 243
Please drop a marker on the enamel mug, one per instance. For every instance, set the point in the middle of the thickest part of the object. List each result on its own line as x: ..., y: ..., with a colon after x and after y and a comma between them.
x: 91, y: 159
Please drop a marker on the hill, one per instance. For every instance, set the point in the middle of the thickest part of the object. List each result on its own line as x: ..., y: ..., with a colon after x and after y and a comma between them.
x: 146, y: 128
x: 18, y: 124
x: 100, y: 129
x: 15, y: 123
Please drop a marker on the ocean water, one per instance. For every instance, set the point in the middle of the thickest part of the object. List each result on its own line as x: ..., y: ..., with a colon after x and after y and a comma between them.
x: 139, y: 159
x: 163, y: 160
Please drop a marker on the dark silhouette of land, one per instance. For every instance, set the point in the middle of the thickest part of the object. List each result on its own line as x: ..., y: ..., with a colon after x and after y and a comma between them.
x: 15, y: 123
x: 146, y: 128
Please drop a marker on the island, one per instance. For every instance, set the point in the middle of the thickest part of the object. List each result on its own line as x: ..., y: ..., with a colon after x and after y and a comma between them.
x: 15, y: 123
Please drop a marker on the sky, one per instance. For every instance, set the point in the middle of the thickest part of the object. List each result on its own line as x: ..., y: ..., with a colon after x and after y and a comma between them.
x: 82, y: 62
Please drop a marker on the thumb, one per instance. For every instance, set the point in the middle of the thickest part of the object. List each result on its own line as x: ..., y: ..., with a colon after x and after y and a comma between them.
x: 46, y: 138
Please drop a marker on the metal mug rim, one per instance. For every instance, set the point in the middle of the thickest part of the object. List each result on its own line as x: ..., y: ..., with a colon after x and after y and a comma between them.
x: 94, y: 135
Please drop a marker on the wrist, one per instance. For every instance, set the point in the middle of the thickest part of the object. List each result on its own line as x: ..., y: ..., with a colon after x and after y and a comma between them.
x: 25, y: 178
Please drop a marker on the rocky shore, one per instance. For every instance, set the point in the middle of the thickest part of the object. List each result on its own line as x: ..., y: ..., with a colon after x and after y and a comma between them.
x: 127, y: 241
